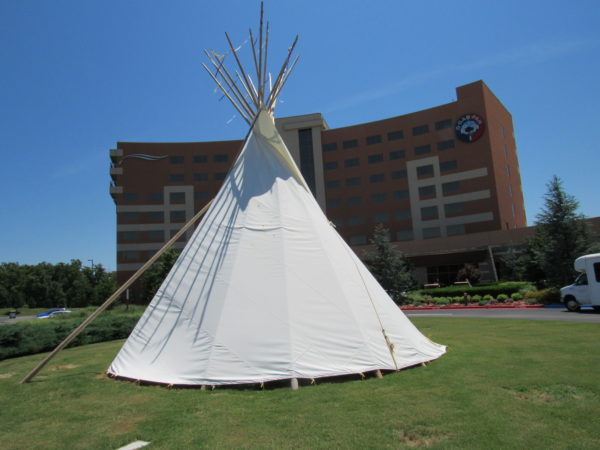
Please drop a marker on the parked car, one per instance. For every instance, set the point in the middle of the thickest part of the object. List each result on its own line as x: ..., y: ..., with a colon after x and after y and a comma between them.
x: 52, y: 312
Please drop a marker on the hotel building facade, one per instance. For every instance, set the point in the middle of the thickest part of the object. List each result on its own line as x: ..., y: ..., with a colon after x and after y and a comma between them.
x: 444, y: 181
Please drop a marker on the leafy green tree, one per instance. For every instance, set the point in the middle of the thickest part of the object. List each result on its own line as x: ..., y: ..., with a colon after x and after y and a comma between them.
x: 155, y: 275
x: 389, y: 266
x: 469, y: 272
x: 561, y: 235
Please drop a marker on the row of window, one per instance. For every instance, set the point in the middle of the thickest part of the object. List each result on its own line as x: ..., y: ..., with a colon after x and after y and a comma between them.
x: 391, y: 136
x: 424, y: 191
x: 153, y: 197
x: 151, y: 217
x: 180, y: 177
x: 396, y: 154
x: 408, y: 235
x: 427, y: 213
x: 422, y: 171
x: 220, y: 158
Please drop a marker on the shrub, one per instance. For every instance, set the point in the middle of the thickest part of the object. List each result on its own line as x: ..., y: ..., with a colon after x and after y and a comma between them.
x: 527, y: 287
x: 502, y: 298
x: 488, y: 298
x: 493, y: 289
x: 545, y: 297
x: 476, y: 298
x: 482, y: 302
x: 29, y: 337
x: 441, y: 301
x: 459, y: 299
x: 516, y: 296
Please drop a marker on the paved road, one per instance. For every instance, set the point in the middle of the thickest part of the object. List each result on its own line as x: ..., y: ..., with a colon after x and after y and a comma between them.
x: 527, y: 314
x: 4, y: 320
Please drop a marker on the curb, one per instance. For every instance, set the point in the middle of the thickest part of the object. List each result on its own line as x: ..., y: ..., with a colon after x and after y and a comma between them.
x: 422, y: 308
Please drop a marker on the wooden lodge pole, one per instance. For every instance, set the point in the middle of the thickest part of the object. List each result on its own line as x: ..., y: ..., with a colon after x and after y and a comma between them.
x: 115, y: 296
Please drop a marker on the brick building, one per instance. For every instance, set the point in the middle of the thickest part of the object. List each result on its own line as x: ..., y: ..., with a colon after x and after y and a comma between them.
x: 445, y: 175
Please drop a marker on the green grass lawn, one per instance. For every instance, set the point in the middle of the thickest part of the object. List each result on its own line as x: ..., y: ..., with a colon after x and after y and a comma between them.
x: 503, y: 384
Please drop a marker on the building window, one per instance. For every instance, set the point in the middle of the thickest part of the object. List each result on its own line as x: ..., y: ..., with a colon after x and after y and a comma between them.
x: 402, y: 214
x: 424, y: 171
x: 448, y: 165
x: 201, y: 195
x: 332, y: 184
x: 397, y: 154
x: 155, y: 216
x: 429, y: 212
x: 432, y: 232
x: 354, y: 201
x: 358, y: 240
x: 400, y: 194
x: 219, y: 176
x: 377, y: 178
x: 155, y: 235
x: 453, y: 208
x: 307, y: 161
x: 334, y: 203
x: 502, y: 130
x: 395, y: 135
x: 200, y: 159
x: 398, y: 174
x: 376, y: 139
x: 338, y: 222
x: 200, y: 177
x: 331, y: 165
x: 381, y: 217
x: 422, y: 149
x: 130, y: 197
x: 352, y: 162
x: 378, y: 198
x: 507, y: 171
x: 155, y: 197
x: 353, y: 143
x: 445, y: 145
x: 421, y: 129
x: 129, y: 217
x: 505, y: 148
x: 130, y: 236
x: 356, y: 220
x: 177, y: 197
x: 450, y: 187
x: 330, y: 147
x: 427, y: 191
x: 176, y: 178
x: 221, y: 158
x: 131, y: 255
x: 177, y: 216
x: 453, y: 230
x: 514, y: 212
x: 510, y: 192
x: 405, y: 235
x: 176, y: 159
x: 354, y: 181
x: 443, y: 124
x: 372, y: 159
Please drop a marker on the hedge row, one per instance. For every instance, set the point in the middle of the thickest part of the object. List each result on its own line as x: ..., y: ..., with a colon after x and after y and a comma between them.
x: 29, y: 337
x: 506, y: 288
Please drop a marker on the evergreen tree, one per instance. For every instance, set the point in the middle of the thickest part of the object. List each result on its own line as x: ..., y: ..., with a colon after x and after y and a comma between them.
x: 561, y: 235
x: 388, y: 266
x: 155, y: 275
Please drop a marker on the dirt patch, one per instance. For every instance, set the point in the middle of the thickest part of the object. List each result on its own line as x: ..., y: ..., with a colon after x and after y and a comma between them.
x: 551, y: 393
x: 127, y: 424
x: 64, y: 367
x: 4, y: 376
x: 419, y: 437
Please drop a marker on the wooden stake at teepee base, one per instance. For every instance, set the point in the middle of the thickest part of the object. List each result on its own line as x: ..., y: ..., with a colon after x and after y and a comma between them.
x: 110, y: 300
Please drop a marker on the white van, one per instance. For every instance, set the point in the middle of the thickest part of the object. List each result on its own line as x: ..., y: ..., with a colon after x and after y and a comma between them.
x: 585, y: 291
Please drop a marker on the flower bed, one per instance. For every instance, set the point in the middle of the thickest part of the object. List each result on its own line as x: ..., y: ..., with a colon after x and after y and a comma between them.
x: 511, y: 305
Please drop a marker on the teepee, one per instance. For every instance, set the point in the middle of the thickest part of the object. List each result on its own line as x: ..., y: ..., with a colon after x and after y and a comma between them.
x: 266, y: 289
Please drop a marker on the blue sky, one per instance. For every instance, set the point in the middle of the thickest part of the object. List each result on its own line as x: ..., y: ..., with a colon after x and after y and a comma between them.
x: 78, y: 76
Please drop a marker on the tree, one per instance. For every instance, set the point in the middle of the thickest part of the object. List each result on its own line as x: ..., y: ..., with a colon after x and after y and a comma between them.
x: 388, y: 266
x: 155, y: 275
x: 470, y: 273
x: 561, y: 235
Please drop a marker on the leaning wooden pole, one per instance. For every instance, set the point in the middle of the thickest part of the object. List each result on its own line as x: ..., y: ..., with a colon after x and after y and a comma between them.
x: 115, y: 296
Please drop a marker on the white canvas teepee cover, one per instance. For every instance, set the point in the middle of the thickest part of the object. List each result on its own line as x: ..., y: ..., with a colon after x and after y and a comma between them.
x: 266, y: 289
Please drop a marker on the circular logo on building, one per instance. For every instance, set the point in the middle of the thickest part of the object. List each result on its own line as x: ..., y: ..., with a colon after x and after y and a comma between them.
x: 469, y: 127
